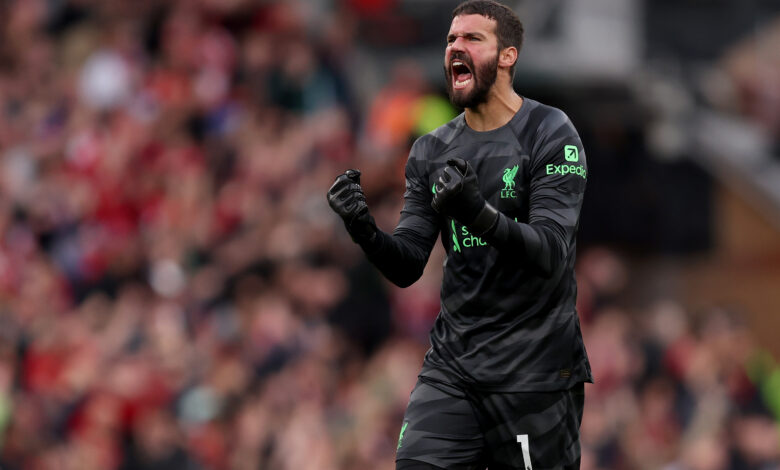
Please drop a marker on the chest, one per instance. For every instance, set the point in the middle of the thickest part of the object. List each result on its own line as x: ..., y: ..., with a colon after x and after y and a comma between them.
x: 502, y: 168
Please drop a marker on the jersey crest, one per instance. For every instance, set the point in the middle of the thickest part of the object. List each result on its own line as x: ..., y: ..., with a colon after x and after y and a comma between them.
x: 509, y: 183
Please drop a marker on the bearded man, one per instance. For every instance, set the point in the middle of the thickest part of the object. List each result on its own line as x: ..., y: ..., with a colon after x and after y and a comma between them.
x: 502, y: 385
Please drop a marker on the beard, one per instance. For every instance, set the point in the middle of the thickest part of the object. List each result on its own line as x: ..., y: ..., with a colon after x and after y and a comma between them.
x: 482, y: 77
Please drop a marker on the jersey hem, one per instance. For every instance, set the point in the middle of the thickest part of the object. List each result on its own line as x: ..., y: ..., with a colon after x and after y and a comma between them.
x: 517, y: 385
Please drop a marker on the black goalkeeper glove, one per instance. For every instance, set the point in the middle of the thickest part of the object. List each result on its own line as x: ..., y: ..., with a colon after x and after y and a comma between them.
x: 457, y: 195
x: 346, y: 198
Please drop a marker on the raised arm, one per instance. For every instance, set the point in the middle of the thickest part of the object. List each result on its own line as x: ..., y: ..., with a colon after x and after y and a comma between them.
x: 557, y: 187
x: 402, y: 255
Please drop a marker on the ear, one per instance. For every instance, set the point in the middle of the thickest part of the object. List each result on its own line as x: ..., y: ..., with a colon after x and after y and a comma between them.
x: 507, y: 56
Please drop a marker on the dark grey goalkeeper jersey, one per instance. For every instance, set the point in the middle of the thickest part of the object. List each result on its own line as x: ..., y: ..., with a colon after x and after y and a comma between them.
x: 508, y: 320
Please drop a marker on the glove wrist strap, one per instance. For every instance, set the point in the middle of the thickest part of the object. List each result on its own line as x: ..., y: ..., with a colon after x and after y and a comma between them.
x: 484, y: 221
x: 362, y: 228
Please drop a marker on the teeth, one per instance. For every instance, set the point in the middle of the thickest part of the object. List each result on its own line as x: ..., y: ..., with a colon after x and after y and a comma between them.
x: 456, y: 63
x: 463, y: 83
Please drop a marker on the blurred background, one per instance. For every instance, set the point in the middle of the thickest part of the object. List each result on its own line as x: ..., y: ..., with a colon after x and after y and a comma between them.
x: 176, y: 294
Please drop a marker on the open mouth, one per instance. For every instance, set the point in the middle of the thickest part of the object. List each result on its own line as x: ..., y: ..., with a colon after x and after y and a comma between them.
x: 461, y: 74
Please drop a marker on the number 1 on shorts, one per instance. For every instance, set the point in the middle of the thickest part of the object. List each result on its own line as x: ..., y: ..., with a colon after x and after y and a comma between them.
x: 523, y: 440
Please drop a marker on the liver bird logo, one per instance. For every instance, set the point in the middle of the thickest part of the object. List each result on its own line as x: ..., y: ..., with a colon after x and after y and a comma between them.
x: 509, y: 177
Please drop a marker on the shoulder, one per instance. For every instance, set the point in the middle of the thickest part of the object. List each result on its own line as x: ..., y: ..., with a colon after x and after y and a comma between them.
x: 439, y: 138
x: 546, y: 126
x: 548, y: 120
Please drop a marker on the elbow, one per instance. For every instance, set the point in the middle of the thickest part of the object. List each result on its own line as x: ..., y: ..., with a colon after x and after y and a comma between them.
x: 403, y: 283
x: 403, y: 262
x: 554, y: 256
x: 557, y: 263
x: 548, y: 266
x: 545, y: 271
x: 544, y: 267
x: 406, y: 279
x: 399, y: 272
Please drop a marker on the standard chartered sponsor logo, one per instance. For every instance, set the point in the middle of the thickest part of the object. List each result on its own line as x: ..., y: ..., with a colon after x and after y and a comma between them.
x: 566, y: 170
x: 455, y: 245
x: 469, y: 240
x: 466, y: 239
x: 401, y: 435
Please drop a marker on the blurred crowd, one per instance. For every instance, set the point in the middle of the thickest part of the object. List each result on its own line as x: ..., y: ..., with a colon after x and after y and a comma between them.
x: 749, y: 80
x: 176, y: 294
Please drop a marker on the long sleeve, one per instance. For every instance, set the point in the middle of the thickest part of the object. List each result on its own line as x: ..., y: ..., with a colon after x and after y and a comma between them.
x: 557, y: 185
x: 402, y: 255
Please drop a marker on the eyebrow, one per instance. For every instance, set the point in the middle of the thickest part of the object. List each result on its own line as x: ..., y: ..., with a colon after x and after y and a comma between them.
x: 466, y: 35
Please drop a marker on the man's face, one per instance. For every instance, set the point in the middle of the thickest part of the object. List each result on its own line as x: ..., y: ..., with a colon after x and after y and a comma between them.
x: 470, y: 60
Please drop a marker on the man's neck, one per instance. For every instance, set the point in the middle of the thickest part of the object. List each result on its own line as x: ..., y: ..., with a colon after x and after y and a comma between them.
x: 501, y: 105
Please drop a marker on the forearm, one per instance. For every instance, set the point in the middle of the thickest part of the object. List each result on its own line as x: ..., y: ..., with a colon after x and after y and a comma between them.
x: 402, y: 255
x: 537, y: 246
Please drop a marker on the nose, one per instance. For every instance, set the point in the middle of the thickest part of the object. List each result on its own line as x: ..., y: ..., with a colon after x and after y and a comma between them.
x: 457, y: 44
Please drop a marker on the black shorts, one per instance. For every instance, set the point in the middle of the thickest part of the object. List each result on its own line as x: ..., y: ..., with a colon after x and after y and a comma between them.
x: 466, y: 430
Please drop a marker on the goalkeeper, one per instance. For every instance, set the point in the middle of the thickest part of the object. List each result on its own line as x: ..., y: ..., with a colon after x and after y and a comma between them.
x: 502, y: 384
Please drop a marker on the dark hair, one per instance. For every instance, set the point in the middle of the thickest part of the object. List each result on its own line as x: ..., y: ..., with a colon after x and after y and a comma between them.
x: 509, y: 29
